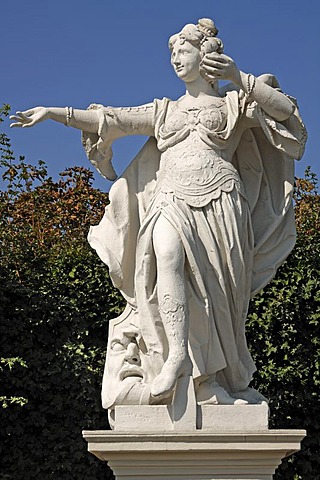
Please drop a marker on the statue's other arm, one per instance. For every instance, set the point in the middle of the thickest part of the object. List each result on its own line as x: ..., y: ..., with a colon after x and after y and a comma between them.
x: 272, y: 101
x: 217, y: 66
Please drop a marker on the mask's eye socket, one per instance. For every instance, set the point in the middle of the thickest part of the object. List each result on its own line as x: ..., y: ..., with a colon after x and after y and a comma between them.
x: 116, y: 346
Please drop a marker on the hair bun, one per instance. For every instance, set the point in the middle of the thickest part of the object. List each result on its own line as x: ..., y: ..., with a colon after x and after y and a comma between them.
x: 207, y: 27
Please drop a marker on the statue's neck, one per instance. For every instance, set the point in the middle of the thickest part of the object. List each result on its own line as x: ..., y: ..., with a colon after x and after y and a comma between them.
x: 200, y: 87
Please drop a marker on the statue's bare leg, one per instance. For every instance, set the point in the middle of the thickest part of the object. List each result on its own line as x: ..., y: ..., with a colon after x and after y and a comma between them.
x: 173, y: 308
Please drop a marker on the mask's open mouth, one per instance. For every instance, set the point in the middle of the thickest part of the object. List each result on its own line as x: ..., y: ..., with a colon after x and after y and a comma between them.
x: 131, y: 372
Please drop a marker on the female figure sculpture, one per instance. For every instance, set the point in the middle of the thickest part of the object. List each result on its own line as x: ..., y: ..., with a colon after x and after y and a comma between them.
x: 200, y: 220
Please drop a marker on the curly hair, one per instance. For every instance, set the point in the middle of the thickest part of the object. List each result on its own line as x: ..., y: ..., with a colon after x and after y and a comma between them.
x: 202, y: 36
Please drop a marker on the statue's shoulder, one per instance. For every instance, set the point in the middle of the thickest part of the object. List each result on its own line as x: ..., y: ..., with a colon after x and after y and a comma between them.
x: 161, y: 102
x: 161, y: 106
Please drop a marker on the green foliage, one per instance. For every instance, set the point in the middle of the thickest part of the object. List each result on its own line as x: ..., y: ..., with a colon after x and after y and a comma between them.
x: 55, y: 302
x: 283, y: 333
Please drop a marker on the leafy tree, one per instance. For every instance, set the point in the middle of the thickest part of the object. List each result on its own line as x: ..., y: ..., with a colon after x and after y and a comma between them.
x: 55, y: 301
x: 283, y: 331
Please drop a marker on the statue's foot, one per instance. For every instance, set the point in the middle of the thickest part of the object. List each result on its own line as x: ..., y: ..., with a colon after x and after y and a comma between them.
x: 251, y: 395
x: 212, y: 394
x: 176, y: 366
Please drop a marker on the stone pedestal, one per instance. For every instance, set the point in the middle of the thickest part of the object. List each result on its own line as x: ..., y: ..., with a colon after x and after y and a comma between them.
x: 193, y: 442
x: 194, y: 455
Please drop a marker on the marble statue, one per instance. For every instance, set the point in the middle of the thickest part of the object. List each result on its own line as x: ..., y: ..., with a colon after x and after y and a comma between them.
x: 197, y: 224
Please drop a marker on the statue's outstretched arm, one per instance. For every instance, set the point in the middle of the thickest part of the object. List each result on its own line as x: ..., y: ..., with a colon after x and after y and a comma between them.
x: 100, y: 126
x: 215, y: 66
x: 87, y: 120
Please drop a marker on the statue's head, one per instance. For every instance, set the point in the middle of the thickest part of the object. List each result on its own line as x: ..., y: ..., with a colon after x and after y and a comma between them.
x: 189, y: 46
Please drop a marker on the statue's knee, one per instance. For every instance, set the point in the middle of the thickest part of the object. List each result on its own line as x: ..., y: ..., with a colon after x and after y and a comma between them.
x: 167, y: 245
x: 168, y: 257
x: 169, y: 253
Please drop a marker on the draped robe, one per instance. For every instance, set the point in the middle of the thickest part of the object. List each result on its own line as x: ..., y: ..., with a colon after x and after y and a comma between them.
x: 234, y: 240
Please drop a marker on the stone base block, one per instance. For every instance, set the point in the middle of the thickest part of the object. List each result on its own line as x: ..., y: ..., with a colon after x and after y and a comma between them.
x: 234, y: 418
x: 213, y: 418
x: 180, y: 416
x: 133, y: 418
x: 194, y: 456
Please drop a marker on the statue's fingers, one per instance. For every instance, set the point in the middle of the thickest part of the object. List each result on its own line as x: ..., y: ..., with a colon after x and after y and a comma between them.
x: 15, y: 117
x: 206, y: 70
x: 212, y: 71
x: 213, y: 63
x: 18, y: 124
x: 218, y: 57
x: 213, y: 66
x: 26, y: 114
x: 207, y: 61
x: 214, y: 57
x: 215, y: 74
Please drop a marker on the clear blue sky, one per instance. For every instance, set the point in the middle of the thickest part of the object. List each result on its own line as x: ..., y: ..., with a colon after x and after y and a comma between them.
x: 114, y: 52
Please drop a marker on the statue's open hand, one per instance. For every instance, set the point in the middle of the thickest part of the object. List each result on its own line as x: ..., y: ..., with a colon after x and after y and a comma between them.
x: 30, y: 117
x: 216, y: 66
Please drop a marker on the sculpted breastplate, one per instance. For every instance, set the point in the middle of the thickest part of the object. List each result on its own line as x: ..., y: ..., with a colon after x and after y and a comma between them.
x: 193, y: 143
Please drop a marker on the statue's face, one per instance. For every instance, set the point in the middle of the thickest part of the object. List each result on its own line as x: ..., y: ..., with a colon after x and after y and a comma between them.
x: 185, y: 59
